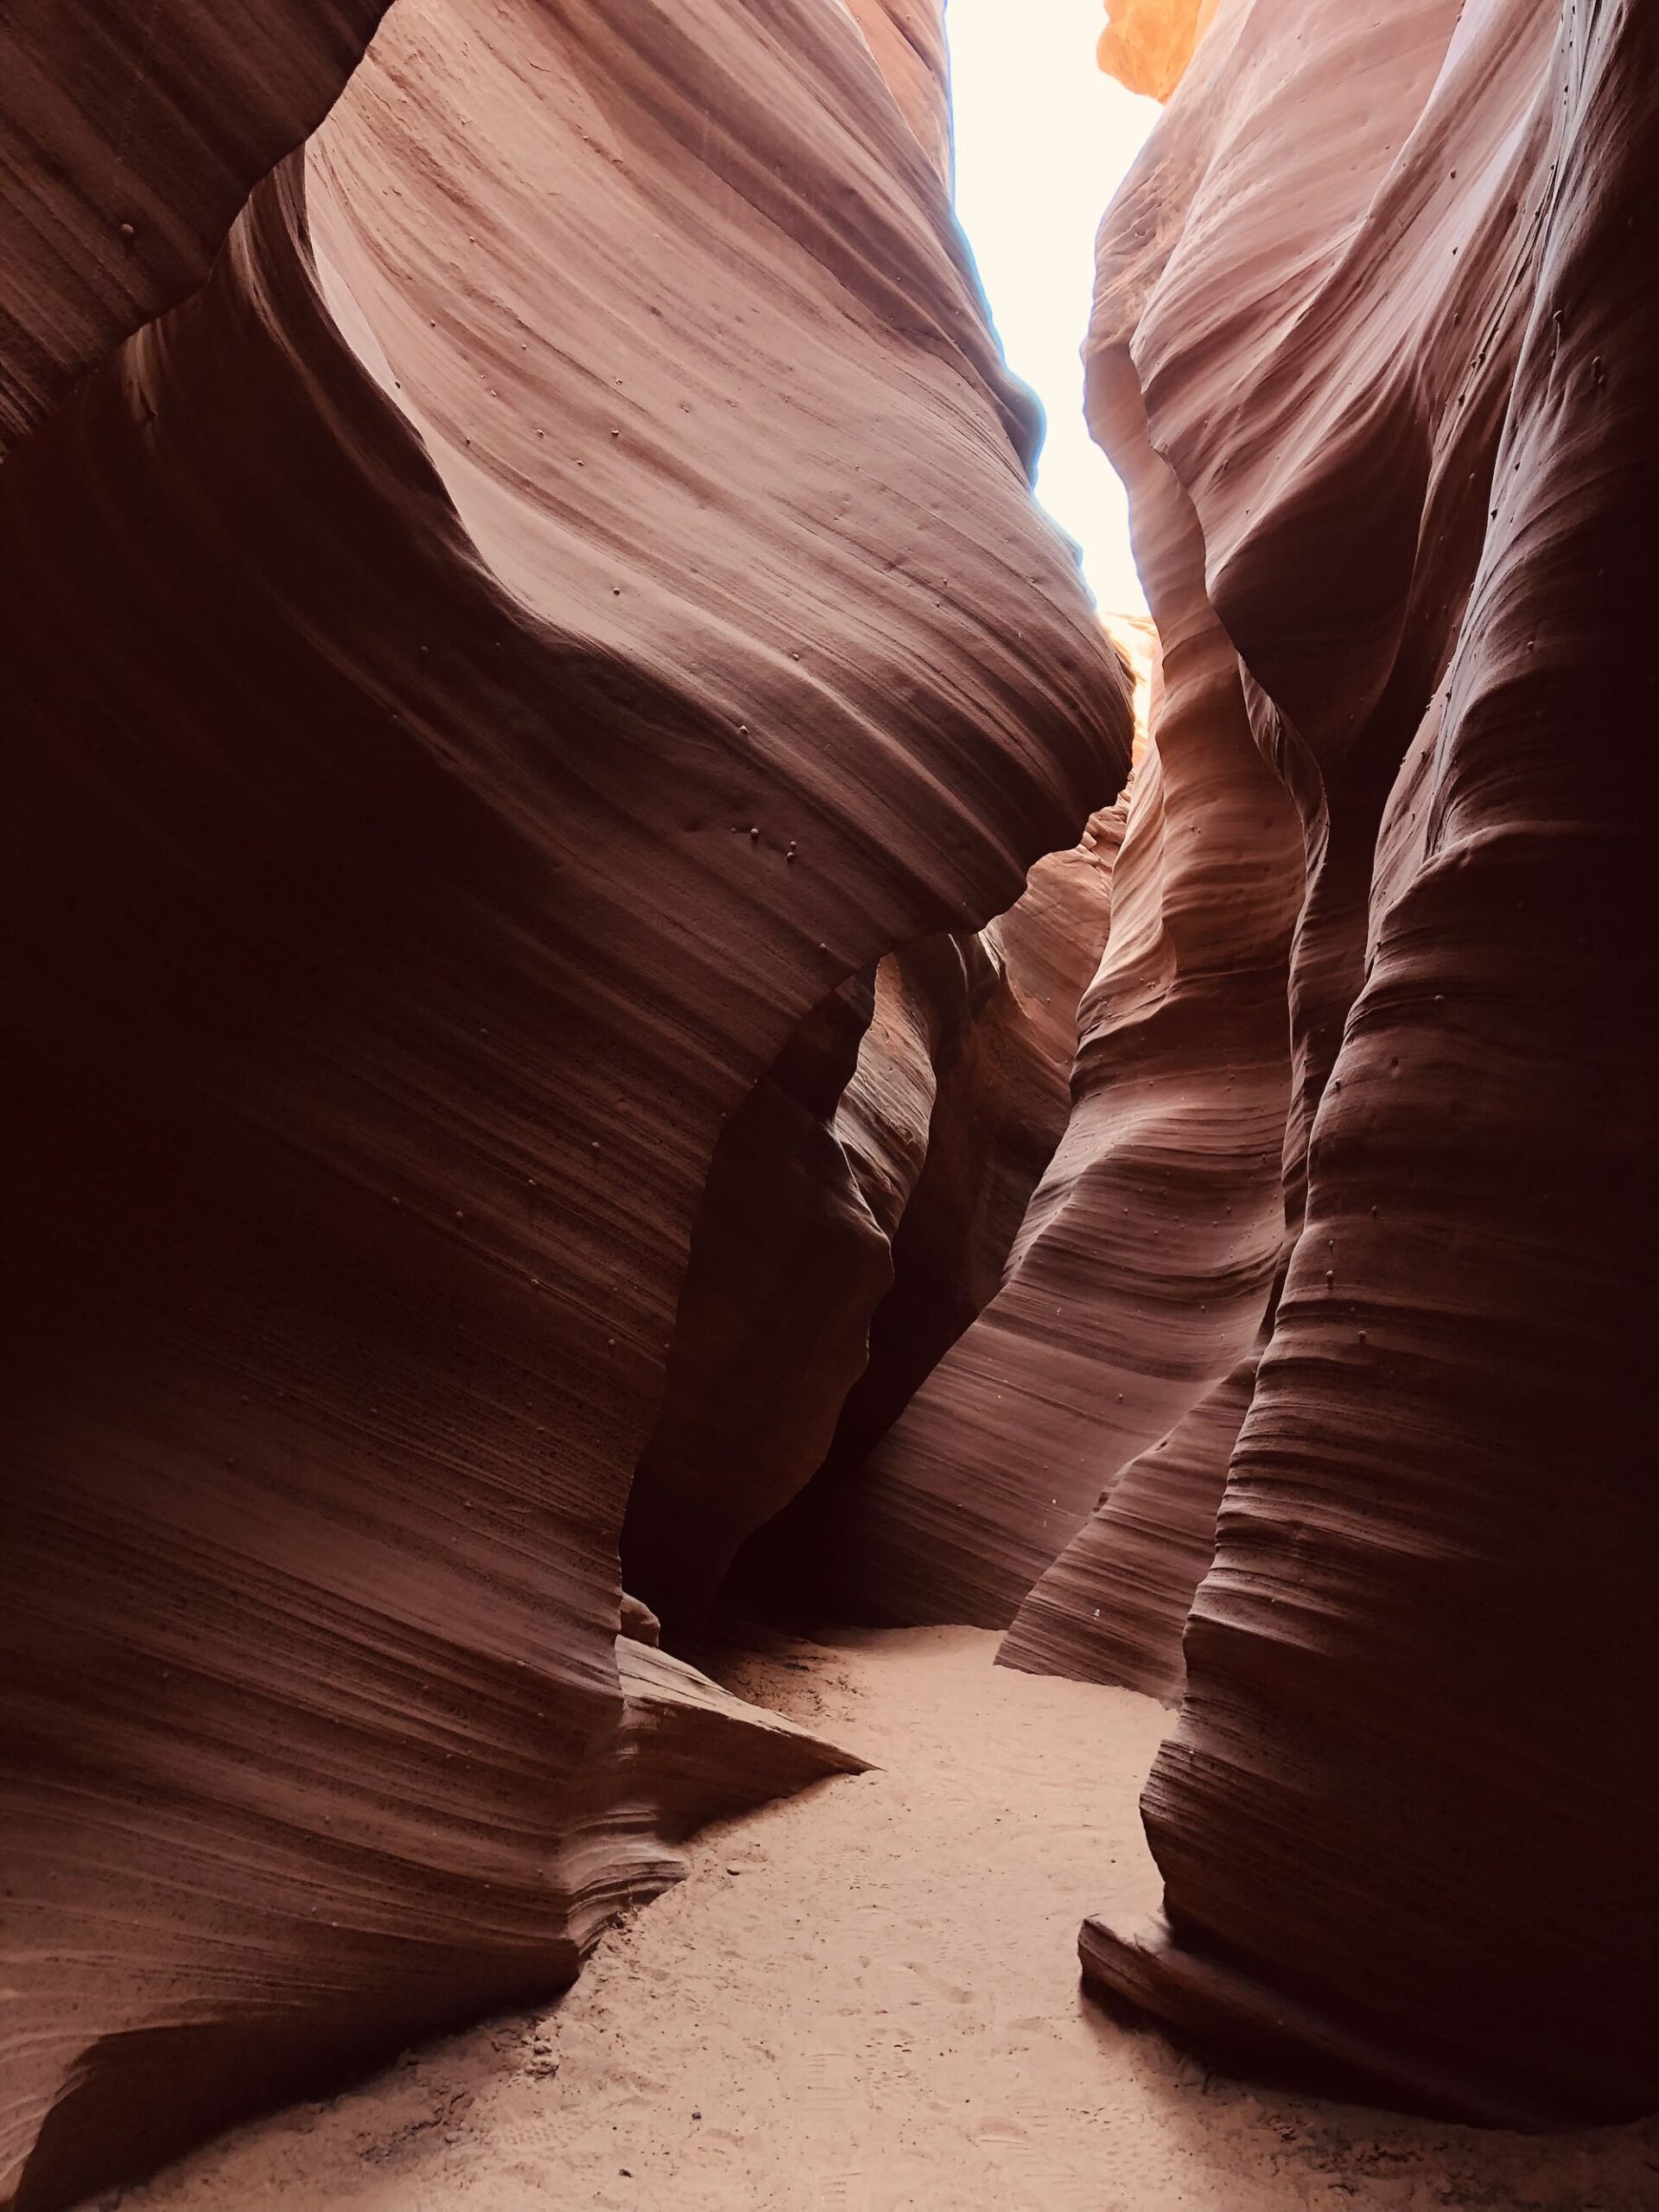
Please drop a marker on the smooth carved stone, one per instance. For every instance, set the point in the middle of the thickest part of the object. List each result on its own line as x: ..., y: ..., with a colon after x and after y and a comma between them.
x: 907, y: 41
x: 953, y: 1104
x: 996, y: 1015
x: 131, y: 139
x: 1368, y: 377
x: 1405, y: 1822
x: 789, y: 1259
x: 400, y: 640
x: 1113, y: 1606
x: 1142, y: 1267
x: 699, y: 1754
x: 1147, y: 44
x: 1353, y: 719
x: 638, y: 1622
x: 1003, y: 1097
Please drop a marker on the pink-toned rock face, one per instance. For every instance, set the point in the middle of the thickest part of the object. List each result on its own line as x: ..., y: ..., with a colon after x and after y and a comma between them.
x: 1142, y: 1271
x: 959, y: 1097
x: 1386, y: 281
x: 906, y: 39
x: 790, y: 1258
x: 1113, y: 1607
x: 592, y: 451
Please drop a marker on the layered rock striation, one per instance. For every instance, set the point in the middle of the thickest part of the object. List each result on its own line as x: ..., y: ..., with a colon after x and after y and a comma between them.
x: 560, y: 597
x: 791, y: 1255
x: 962, y: 1084
x: 1113, y: 1607
x: 1383, y: 282
x: 907, y: 40
x: 129, y: 141
x: 1141, y: 1270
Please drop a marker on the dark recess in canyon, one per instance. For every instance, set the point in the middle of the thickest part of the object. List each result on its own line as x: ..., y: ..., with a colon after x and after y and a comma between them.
x: 593, y: 998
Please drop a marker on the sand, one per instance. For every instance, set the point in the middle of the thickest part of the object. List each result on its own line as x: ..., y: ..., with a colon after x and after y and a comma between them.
x: 866, y: 2000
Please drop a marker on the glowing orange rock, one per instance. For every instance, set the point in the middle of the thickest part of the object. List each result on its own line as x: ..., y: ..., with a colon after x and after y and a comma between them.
x: 1147, y: 44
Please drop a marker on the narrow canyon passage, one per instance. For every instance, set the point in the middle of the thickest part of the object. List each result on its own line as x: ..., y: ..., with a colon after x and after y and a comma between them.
x: 865, y: 1999
x: 647, y: 1018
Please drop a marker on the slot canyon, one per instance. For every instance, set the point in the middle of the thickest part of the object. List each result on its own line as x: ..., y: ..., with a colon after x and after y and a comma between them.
x: 827, y: 1385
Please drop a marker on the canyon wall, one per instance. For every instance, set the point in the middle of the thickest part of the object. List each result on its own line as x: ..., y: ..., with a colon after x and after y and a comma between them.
x: 559, y: 599
x: 127, y: 146
x: 1114, y: 1605
x: 993, y: 1018
x: 538, y: 688
x: 906, y: 39
x: 1142, y: 1268
x: 1381, y: 288
x: 859, y: 1212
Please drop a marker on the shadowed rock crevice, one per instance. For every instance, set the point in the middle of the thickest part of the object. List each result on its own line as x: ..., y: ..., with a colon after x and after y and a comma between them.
x: 996, y: 1017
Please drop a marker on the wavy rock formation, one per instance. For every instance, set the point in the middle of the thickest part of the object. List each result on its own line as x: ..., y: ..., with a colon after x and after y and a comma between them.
x: 127, y: 148
x: 1147, y: 44
x: 1114, y: 1605
x: 907, y: 38
x: 1384, y: 278
x: 591, y: 450
x: 858, y: 1214
x: 998, y: 1014
x: 1142, y: 1267
x: 789, y: 1257
x: 683, y: 1752
x: 1004, y: 1010
x: 1338, y: 760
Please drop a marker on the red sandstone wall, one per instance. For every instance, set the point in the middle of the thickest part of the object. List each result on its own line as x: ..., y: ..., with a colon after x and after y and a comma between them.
x: 1383, y: 280
x: 591, y: 449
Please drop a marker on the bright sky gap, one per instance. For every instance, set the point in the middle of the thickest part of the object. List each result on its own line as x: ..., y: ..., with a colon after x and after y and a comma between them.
x: 1042, y: 140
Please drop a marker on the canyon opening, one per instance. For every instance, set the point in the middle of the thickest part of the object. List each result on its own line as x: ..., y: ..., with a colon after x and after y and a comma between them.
x: 828, y: 1363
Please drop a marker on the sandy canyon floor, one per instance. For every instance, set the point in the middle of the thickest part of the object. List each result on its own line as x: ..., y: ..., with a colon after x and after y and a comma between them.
x: 866, y: 2000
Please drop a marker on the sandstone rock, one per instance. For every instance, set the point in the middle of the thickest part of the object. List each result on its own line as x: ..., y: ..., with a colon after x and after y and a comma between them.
x: 590, y: 450
x: 639, y: 1622
x: 1143, y: 1266
x: 788, y: 1263
x: 1007, y: 1014
x: 997, y: 1014
x: 907, y: 40
x: 1400, y: 351
x: 1113, y: 1606
x: 131, y: 140
x: 858, y: 1210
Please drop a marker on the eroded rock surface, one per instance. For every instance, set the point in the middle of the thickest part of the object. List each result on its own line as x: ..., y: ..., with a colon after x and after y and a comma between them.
x: 907, y: 39
x: 1383, y: 279
x: 1001, y: 1011
x: 1142, y: 1269
x: 859, y: 1214
x: 128, y: 140
x: 592, y: 449
x: 789, y: 1257
x: 1113, y: 1607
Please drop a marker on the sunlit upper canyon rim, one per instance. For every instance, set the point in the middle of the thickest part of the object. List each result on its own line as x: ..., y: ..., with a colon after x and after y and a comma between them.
x: 829, y: 1190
